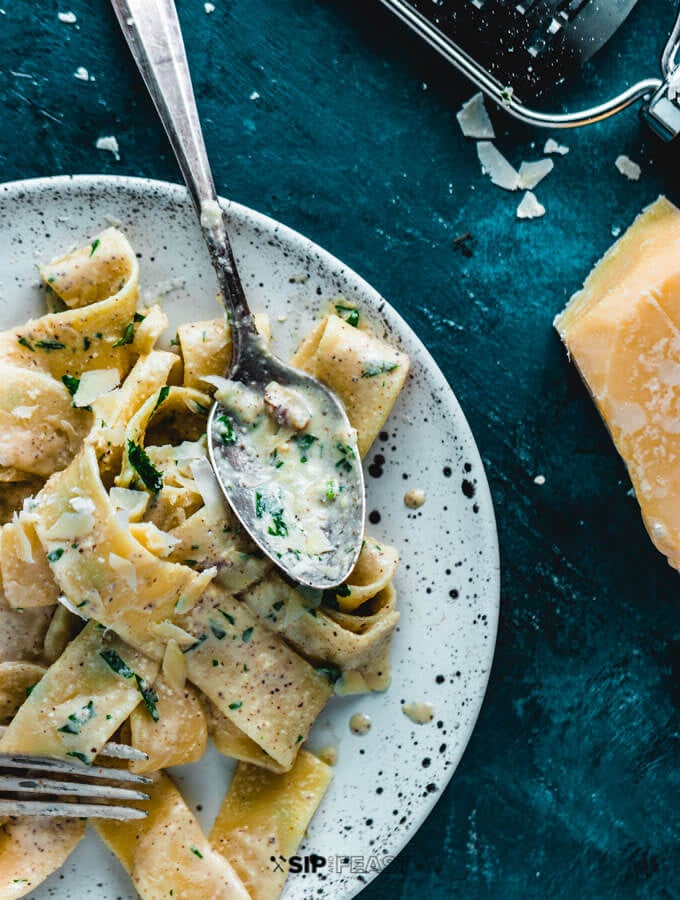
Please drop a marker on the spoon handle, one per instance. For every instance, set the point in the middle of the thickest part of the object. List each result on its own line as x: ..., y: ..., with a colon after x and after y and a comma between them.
x: 152, y: 31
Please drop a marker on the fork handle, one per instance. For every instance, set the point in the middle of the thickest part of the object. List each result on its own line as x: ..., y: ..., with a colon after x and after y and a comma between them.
x: 152, y: 31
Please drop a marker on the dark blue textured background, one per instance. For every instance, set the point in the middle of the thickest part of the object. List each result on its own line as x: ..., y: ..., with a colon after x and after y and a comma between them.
x: 569, y: 787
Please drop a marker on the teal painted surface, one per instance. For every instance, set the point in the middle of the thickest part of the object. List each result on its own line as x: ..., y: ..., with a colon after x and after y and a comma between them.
x: 569, y: 786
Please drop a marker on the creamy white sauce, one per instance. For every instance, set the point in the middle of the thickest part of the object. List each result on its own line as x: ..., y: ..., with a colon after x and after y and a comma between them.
x: 328, y: 755
x: 360, y: 724
x: 419, y: 713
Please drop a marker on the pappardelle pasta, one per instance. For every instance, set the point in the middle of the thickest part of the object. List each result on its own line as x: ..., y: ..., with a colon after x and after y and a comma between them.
x: 133, y: 607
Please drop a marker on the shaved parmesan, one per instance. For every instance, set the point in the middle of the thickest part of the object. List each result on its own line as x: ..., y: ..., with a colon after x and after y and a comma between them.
x: 125, y: 569
x: 530, y: 208
x: 71, y: 526
x: 189, y: 450
x: 627, y: 167
x: 23, y: 412
x: 82, y: 504
x: 207, y: 484
x: 133, y: 502
x: 174, y: 665
x: 156, y: 541
x: 168, y: 631
x: 496, y: 166
x: 530, y: 173
x: 94, y: 384
x: 552, y: 146
x: 474, y: 120
x: 68, y: 18
x: 71, y: 607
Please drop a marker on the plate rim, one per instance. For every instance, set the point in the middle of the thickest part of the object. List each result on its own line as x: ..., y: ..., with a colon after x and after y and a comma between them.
x: 329, y: 261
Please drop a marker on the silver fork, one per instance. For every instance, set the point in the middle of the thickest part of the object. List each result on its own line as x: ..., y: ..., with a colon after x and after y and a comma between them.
x: 46, y: 786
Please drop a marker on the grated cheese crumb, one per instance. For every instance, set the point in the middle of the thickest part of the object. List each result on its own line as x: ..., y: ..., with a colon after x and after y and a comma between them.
x: 539, y: 479
x: 81, y: 74
x: 209, y: 8
x: 552, y: 146
x: 68, y: 18
x: 109, y: 143
x: 627, y: 167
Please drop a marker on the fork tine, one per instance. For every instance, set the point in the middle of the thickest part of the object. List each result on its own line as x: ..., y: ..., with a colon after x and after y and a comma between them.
x: 65, y: 767
x: 21, y: 785
x: 69, y: 810
x: 110, y: 750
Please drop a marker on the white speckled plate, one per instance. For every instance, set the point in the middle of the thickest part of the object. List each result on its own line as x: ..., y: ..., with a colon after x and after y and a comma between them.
x: 387, y: 782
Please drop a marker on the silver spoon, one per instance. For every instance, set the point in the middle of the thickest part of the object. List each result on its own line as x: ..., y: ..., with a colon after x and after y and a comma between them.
x: 279, y: 441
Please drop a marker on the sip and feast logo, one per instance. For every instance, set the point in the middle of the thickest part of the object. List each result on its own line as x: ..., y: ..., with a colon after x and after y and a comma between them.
x: 312, y: 863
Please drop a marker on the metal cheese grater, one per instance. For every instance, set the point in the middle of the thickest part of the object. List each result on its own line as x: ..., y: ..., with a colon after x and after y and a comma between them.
x: 519, y: 49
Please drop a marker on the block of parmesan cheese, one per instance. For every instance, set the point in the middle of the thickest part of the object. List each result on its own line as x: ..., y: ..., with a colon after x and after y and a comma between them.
x: 623, y: 332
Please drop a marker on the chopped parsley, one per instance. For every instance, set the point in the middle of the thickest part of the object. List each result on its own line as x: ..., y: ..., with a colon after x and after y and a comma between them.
x: 278, y: 605
x: 77, y: 720
x: 138, y: 317
x: 348, y: 313
x: 331, y: 490
x: 149, y: 696
x: 127, y: 337
x: 86, y: 343
x: 216, y: 663
x: 217, y: 630
x: 332, y: 673
x: 162, y: 396
x: 260, y: 505
x: 71, y: 383
x: 119, y: 666
x: 378, y: 368
x: 50, y: 345
x: 346, y: 454
x: 304, y: 442
x: 24, y: 342
x: 55, y: 555
x: 299, y: 739
x: 196, y: 851
x: 343, y: 590
x: 225, y: 429
x: 93, y: 248
x: 203, y: 637
x: 80, y: 756
x: 274, y: 458
x: 279, y: 527
x: 247, y: 634
x: 236, y: 705
x: 228, y: 617
x: 140, y: 462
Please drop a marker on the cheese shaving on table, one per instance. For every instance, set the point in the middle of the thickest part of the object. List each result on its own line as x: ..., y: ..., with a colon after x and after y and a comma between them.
x: 68, y: 18
x: 627, y: 167
x: 529, y: 207
x: 551, y: 146
x: 531, y: 173
x: 496, y: 166
x: 108, y: 142
x: 474, y: 120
